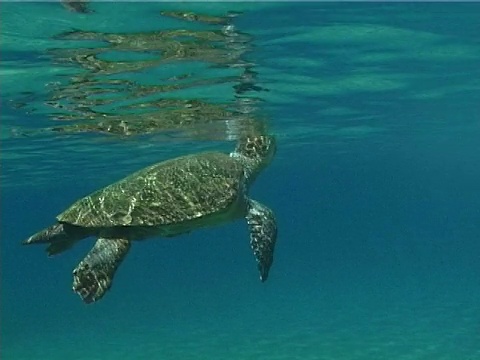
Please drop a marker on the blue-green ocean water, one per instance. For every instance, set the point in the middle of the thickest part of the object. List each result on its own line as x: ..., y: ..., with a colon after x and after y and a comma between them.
x: 375, y: 186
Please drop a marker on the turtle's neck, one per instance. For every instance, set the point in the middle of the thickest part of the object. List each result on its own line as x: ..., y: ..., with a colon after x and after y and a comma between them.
x: 254, y: 153
x: 251, y: 167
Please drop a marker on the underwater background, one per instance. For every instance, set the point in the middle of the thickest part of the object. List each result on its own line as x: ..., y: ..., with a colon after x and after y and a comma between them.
x: 375, y: 184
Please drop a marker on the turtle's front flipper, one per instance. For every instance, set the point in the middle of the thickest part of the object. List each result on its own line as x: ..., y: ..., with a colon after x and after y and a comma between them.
x: 93, y: 276
x: 263, y: 235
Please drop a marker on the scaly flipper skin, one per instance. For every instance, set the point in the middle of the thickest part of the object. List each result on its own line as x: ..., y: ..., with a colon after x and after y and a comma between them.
x: 51, y: 234
x: 59, y: 247
x: 60, y: 237
x: 263, y: 235
x: 94, y: 275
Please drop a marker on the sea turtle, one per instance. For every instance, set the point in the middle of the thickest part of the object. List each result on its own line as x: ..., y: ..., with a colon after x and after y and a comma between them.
x: 165, y: 199
x: 78, y: 6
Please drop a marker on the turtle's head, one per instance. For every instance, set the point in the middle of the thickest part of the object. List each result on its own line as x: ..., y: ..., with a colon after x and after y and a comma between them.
x: 90, y: 281
x: 256, y: 152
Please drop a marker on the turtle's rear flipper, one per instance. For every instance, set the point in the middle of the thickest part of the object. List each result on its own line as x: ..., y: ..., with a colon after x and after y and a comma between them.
x: 58, y: 247
x: 51, y: 234
x: 263, y: 235
x: 63, y: 234
x: 94, y: 275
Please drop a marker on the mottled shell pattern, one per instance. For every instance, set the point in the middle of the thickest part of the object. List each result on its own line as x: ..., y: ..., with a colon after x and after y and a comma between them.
x: 170, y: 192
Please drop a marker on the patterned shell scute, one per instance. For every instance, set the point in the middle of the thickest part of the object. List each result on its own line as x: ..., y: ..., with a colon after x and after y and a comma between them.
x: 169, y: 192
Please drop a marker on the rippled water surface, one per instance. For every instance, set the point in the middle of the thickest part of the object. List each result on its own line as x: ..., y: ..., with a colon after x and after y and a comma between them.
x: 375, y: 107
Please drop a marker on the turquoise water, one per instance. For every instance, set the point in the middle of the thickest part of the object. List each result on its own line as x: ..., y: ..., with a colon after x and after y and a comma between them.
x: 376, y: 111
